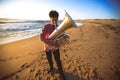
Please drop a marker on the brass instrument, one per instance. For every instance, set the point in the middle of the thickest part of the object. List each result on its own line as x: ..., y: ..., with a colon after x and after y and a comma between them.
x: 59, y: 33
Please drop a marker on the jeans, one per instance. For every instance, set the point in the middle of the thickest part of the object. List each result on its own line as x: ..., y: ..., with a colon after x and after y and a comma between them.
x: 56, y: 54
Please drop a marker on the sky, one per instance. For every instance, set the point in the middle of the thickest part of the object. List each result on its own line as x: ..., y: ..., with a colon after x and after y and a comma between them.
x: 77, y: 9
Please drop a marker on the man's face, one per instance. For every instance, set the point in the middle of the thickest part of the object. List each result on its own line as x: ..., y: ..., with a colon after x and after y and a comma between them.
x: 53, y: 20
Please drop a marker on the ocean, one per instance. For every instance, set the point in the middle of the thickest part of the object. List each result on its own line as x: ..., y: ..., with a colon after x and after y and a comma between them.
x: 18, y: 30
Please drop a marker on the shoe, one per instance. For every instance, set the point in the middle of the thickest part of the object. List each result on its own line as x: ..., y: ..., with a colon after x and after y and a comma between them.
x: 49, y: 71
x: 63, y: 77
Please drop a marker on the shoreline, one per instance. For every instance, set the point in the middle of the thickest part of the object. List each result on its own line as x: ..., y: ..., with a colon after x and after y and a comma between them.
x: 14, y: 40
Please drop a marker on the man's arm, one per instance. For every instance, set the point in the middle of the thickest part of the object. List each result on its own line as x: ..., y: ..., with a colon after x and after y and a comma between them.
x: 44, y: 36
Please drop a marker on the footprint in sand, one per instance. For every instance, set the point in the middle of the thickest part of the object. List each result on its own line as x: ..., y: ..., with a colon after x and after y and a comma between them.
x: 3, y: 60
x: 23, y: 65
x: 31, y: 70
x: 17, y: 77
x: 37, y: 73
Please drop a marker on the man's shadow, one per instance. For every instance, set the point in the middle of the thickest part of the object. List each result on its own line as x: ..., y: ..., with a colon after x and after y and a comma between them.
x: 69, y: 76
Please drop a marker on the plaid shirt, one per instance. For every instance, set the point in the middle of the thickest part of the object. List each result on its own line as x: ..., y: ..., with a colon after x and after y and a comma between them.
x: 45, y: 32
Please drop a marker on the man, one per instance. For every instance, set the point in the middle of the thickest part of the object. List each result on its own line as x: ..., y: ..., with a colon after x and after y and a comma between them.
x: 51, y: 47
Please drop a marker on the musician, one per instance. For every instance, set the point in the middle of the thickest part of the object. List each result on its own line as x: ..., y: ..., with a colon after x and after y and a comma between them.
x: 52, y: 48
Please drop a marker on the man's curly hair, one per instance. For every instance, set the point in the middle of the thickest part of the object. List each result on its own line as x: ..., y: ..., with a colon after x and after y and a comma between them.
x: 53, y: 13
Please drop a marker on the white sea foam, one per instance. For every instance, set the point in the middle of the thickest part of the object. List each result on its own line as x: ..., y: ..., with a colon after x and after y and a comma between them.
x: 14, y: 31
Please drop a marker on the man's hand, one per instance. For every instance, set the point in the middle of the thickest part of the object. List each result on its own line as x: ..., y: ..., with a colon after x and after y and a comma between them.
x: 53, y: 43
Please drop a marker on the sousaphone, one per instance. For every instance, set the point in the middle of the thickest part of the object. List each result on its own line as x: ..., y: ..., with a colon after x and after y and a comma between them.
x: 59, y: 33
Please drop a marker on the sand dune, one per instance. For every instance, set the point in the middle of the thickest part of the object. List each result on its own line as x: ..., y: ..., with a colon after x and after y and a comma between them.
x: 92, y: 54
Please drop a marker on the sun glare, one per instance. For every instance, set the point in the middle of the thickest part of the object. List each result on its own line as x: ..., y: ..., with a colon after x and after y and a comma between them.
x: 24, y: 10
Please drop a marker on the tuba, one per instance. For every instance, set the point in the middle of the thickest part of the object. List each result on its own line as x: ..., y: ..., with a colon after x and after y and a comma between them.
x: 59, y: 33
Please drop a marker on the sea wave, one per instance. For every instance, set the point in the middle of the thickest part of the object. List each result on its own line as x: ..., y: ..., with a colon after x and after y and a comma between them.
x: 14, y: 31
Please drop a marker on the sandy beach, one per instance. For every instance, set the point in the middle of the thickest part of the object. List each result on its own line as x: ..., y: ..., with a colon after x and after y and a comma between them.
x: 92, y: 54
